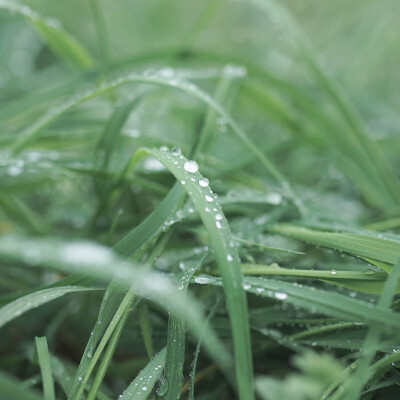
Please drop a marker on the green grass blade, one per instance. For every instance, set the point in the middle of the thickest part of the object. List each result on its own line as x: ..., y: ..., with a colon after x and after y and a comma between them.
x: 45, y: 368
x: 112, y: 308
x: 152, y: 225
x: 34, y: 300
x: 363, y: 281
x: 141, y: 386
x: 227, y: 257
x: 362, y: 245
x: 316, y: 300
x: 101, y: 372
x: 176, y: 342
x: 143, y: 316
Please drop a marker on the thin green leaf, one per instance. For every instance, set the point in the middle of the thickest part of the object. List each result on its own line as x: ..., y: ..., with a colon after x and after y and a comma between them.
x: 45, y: 368
x: 226, y: 254
x: 34, y: 300
x: 140, y: 388
x: 361, y: 245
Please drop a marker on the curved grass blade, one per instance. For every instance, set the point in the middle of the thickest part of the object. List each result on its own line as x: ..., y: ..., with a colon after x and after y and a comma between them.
x: 316, y: 300
x: 227, y: 258
x: 357, y: 244
x: 63, y: 45
x: 45, y: 368
x: 140, y: 388
x: 34, y: 300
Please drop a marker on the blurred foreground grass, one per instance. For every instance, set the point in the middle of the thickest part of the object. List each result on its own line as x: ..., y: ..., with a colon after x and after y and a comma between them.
x: 199, y: 199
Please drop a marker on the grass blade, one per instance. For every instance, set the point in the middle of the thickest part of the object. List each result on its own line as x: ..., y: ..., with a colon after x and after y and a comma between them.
x: 357, y: 244
x: 141, y: 386
x: 45, y: 368
x: 34, y: 300
x: 316, y: 300
x: 226, y: 254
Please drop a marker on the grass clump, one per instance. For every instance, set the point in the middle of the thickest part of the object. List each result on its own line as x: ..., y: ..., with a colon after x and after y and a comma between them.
x: 198, y: 201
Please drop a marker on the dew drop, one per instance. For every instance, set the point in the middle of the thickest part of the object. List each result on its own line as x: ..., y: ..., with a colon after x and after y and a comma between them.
x: 191, y: 166
x: 281, y: 296
x: 333, y: 272
x: 203, y: 182
x: 209, y: 198
x: 246, y: 286
x: 229, y: 257
x: 202, y: 280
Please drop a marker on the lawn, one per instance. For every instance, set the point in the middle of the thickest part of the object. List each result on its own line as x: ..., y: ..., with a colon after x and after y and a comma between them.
x: 199, y: 200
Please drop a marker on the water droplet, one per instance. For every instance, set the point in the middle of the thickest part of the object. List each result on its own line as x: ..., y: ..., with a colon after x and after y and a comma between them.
x: 218, y: 217
x: 333, y: 272
x: 176, y: 151
x: 209, y: 198
x: 202, y: 280
x: 281, y: 296
x: 191, y: 166
x: 203, y: 182
x: 183, y: 182
x: 229, y: 257
x: 246, y: 286
x: 218, y: 224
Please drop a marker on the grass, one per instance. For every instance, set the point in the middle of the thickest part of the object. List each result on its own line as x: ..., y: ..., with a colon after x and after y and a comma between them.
x: 198, y: 200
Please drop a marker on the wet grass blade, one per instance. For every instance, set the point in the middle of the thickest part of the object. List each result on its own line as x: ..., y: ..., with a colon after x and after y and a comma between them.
x: 227, y: 258
x: 316, y: 300
x: 140, y: 388
x: 45, y: 368
x: 34, y: 300
x: 112, y: 345
x: 362, y: 245
x: 176, y: 342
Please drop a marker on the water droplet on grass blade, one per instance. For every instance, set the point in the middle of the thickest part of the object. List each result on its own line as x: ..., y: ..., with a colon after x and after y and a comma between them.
x: 281, y: 296
x: 203, y: 182
x: 202, y: 280
x: 209, y: 198
x: 191, y: 166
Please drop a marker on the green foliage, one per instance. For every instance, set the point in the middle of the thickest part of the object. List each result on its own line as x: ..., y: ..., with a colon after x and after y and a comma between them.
x: 199, y: 200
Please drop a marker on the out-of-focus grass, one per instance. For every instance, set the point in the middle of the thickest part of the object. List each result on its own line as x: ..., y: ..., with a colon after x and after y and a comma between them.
x: 216, y: 177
